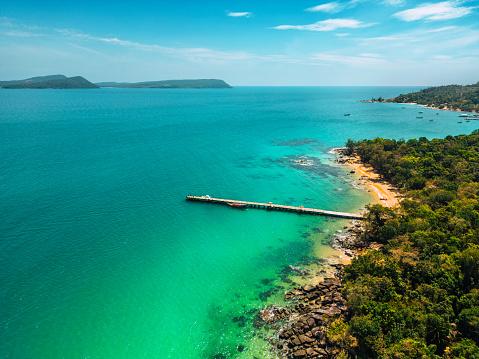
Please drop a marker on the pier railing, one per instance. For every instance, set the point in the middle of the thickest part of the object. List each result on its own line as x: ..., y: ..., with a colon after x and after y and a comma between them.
x: 276, y: 207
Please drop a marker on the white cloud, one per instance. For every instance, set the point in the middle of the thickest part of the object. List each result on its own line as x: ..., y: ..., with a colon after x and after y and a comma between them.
x: 370, y: 55
x: 335, y: 7
x: 401, y: 39
x: 331, y: 8
x: 189, y: 53
x: 326, y: 25
x: 7, y: 22
x: 343, y: 34
x: 438, y: 11
x: 445, y: 28
x: 356, y: 61
x: 393, y: 2
x: 21, y: 34
x: 443, y: 57
x: 240, y: 14
x: 198, y: 52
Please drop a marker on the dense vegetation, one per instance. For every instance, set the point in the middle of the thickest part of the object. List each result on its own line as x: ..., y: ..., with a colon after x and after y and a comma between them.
x: 452, y: 97
x: 419, y: 297
x: 195, y: 84
x: 32, y: 80
x: 76, y: 82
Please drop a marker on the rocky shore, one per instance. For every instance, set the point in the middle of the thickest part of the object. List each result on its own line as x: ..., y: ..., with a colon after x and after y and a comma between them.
x: 304, y: 335
x: 301, y: 327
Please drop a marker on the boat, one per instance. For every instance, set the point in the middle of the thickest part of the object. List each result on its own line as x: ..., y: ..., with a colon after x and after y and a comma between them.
x: 459, y: 121
x: 419, y: 117
x: 463, y: 115
x: 421, y: 112
x: 431, y: 120
x: 238, y: 204
x: 347, y: 114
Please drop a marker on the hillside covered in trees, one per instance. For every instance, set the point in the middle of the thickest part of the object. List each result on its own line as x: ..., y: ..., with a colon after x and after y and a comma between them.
x: 451, y: 97
x: 173, y: 84
x: 50, y: 82
x: 32, y: 80
x: 419, y: 297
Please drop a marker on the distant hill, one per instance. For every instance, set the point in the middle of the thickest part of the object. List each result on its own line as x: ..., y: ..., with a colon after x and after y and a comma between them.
x: 450, y: 97
x: 49, y: 82
x: 32, y: 80
x: 193, y: 84
x: 110, y: 84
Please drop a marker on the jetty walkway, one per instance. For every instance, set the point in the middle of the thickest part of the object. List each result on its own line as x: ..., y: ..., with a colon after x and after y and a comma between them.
x: 276, y: 207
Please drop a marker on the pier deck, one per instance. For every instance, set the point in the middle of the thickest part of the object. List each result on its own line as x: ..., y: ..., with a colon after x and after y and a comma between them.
x: 277, y: 207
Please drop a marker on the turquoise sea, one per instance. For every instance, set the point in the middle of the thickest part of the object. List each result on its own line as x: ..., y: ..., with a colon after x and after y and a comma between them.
x: 101, y: 255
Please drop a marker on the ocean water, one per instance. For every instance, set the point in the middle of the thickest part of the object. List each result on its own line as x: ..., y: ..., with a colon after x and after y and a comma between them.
x: 101, y: 255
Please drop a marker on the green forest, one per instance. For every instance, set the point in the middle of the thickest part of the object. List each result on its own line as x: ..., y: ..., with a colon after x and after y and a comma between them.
x: 419, y: 297
x: 174, y: 84
x: 50, y: 82
x: 453, y: 97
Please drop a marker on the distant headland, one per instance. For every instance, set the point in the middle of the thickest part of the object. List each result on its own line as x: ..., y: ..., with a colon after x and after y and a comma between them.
x: 49, y: 82
x: 78, y: 82
x: 450, y: 97
x: 175, y: 84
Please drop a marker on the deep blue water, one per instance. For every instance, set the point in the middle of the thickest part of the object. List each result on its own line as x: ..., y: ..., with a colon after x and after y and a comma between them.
x: 102, y: 257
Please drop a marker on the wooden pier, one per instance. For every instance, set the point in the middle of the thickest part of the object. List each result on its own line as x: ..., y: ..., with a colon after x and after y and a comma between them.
x: 277, y: 207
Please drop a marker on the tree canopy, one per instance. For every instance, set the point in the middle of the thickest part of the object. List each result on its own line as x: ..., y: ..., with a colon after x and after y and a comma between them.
x: 419, y: 297
x: 453, y: 97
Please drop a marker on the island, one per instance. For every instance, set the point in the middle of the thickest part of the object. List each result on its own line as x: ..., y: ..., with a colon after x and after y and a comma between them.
x: 172, y: 84
x: 450, y: 97
x: 49, y: 82
x: 78, y: 82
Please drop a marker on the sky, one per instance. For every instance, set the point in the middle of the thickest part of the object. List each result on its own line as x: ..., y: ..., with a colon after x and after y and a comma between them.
x: 245, y: 43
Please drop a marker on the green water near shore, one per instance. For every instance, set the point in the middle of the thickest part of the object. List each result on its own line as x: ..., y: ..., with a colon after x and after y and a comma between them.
x: 102, y: 256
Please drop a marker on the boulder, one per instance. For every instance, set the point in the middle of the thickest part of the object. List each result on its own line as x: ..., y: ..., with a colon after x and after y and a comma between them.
x: 299, y: 354
x: 305, y: 339
x: 296, y: 341
x: 310, y: 352
x: 309, y: 288
x: 321, y: 351
x: 285, y: 334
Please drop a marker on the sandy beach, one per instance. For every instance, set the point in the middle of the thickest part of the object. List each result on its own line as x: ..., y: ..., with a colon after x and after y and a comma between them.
x: 381, y: 190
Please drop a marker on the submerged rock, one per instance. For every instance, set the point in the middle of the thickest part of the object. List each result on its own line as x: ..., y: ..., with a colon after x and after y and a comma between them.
x: 241, y: 348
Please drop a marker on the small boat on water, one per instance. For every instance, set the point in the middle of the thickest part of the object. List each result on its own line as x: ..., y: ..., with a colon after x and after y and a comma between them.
x: 463, y: 115
x: 421, y: 112
x: 431, y: 120
x: 238, y: 205
x: 347, y: 114
x: 459, y: 121
x: 419, y: 117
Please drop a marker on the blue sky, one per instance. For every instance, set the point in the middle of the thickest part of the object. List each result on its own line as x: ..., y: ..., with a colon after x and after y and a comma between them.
x: 258, y: 43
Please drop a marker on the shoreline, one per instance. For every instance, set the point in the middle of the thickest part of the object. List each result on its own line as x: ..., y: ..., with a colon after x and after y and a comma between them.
x: 302, y: 325
x: 390, y: 100
x: 383, y: 192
